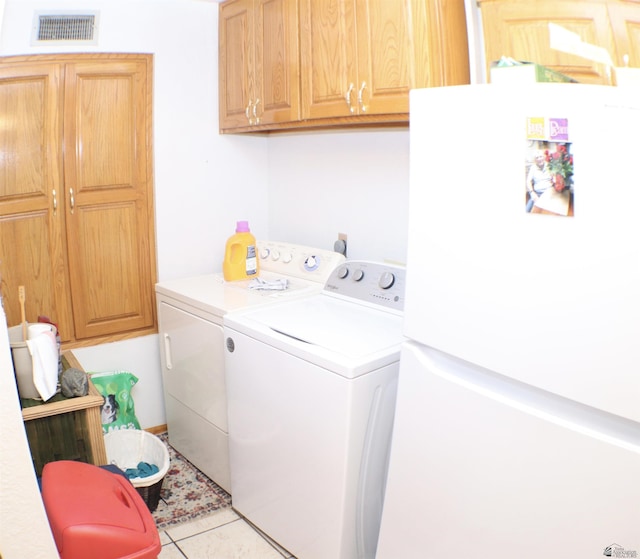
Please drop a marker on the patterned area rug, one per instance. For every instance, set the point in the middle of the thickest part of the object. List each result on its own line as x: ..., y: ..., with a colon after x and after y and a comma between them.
x: 186, y: 492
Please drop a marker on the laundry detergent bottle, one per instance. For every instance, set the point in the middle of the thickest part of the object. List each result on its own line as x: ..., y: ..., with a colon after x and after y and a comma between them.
x: 241, y: 254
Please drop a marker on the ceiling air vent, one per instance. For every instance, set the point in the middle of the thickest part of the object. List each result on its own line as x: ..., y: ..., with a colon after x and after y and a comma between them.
x: 65, y: 28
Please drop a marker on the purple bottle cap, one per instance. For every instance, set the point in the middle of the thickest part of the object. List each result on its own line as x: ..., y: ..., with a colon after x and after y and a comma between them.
x: 242, y: 227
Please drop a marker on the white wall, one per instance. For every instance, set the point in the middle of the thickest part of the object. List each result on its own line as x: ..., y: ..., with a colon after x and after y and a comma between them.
x: 302, y: 187
x: 352, y: 182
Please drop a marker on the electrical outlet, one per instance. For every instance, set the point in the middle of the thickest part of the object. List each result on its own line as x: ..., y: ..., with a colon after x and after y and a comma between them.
x: 340, y: 245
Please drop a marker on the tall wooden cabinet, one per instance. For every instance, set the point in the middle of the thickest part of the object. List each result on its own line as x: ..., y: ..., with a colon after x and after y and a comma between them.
x: 259, y: 80
x: 354, y: 61
x: 76, y: 197
x: 520, y: 29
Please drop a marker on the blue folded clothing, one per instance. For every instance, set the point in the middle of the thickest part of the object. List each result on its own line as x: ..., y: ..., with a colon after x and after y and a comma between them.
x: 113, y: 469
x: 144, y: 469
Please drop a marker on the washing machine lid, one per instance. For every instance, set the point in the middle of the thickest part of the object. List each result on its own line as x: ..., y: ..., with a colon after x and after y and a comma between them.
x: 347, y: 337
x: 212, y: 294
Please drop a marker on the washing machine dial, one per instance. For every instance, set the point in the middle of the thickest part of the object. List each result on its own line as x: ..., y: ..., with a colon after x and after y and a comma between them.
x: 343, y: 272
x: 264, y: 253
x: 311, y: 263
x: 358, y: 275
x: 275, y: 255
x: 387, y: 279
x: 287, y: 257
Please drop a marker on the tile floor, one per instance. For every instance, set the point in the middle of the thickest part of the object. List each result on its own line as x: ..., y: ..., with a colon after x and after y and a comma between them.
x: 223, y: 535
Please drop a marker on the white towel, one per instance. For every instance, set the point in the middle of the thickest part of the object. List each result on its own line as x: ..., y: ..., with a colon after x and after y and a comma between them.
x: 44, y: 355
x: 274, y: 285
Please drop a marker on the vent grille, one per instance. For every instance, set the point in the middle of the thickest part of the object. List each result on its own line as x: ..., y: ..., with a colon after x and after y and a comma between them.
x: 66, y: 28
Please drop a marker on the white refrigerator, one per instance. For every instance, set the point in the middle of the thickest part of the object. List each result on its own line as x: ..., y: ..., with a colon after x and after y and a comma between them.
x: 517, y: 428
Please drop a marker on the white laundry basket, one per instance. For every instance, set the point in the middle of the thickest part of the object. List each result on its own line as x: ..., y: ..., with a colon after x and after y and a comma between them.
x: 126, y: 448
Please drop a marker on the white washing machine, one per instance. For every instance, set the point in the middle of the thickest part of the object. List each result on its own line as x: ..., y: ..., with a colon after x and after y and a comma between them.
x: 311, y: 387
x: 190, y: 312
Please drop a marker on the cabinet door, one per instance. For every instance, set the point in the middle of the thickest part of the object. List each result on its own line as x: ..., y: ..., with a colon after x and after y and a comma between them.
x: 328, y: 58
x: 236, y: 63
x: 386, y: 63
x: 31, y: 198
x: 109, y: 206
x: 357, y: 56
x: 277, y: 62
x: 625, y: 22
x: 519, y: 29
x: 439, y: 43
x: 405, y: 45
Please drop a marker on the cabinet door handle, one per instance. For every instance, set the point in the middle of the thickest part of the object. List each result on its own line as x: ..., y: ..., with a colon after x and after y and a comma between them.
x: 72, y: 200
x: 363, y: 107
x: 248, y: 113
x: 348, y: 98
x: 256, y: 118
x: 55, y: 202
x: 167, y: 351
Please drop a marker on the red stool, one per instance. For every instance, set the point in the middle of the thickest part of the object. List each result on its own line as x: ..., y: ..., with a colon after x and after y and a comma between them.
x: 98, y: 514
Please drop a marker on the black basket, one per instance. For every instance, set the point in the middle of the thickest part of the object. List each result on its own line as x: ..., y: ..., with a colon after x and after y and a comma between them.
x: 151, y: 494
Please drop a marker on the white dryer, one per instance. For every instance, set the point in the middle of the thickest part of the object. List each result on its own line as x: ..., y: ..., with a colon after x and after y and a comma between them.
x: 190, y: 312
x: 311, y: 388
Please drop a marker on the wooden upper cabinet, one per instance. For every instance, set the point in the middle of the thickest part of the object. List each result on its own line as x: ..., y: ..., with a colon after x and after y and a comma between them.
x: 76, y: 193
x: 277, y: 62
x: 357, y: 60
x: 625, y: 22
x: 259, y: 63
x: 385, y: 61
x: 520, y: 29
x: 362, y: 57
x: 328, y: 55
x: 236, y: 63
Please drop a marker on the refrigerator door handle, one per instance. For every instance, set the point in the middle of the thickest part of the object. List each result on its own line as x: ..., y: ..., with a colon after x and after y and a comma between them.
x: 534, y: 401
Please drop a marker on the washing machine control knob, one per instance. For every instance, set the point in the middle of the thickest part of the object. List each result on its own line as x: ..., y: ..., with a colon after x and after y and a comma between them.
x: 343, y: 272
x: 358, y: 275
x: 275, y: 255
x: 264, y: 253
x: 311, y: 263
x: 387, y: 279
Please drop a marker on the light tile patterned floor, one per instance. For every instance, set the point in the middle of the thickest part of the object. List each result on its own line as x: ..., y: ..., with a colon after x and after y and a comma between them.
x: 223, y: 535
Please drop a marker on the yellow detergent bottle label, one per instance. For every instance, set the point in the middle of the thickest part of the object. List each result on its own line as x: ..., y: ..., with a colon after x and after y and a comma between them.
x: 252, y: 260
